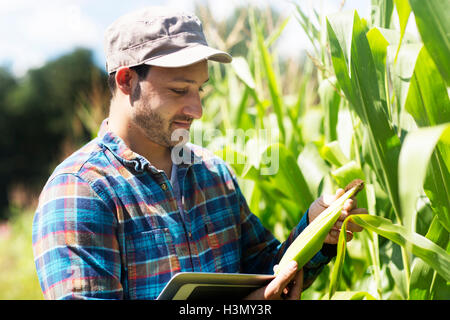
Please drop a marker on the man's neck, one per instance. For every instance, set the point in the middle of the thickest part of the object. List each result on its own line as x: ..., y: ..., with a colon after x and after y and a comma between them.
x: 159, y: 156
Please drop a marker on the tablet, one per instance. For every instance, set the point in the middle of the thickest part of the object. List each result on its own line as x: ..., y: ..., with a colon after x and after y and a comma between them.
x: 212, y: 286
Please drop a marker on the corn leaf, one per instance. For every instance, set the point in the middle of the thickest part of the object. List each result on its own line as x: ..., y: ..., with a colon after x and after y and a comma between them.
x: 362, y: 89
x: 416, y: 152
x: 313, y: 167
x: 402, y: 72
x: 242, y: 70
x: 330, y: 100
x: 350, y: 295
x: 310, y: 241
x: 382, y: 12
x: 339, y: 29
x: 427, y: 99
x: 273, y: 83
x: 308, y: 26
x: 378, y: 46
x: 432, y: 20
x: 420, y: 246
x: 237, y: 160
x: 347, y: 173
x: 332, y: 152
x: 428, y: 102
x: 403, y: 11
x: 422, y: 276
x: 288, y: 178
x: 276, y: 33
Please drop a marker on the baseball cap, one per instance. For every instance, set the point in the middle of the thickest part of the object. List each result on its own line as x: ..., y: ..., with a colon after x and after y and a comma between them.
x: 158, y: 36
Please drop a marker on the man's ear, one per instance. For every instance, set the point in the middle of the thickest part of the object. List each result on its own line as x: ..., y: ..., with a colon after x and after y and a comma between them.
x: 124, y: 80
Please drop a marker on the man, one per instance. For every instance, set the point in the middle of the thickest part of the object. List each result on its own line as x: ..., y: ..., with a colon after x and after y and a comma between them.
x: 120, y: 217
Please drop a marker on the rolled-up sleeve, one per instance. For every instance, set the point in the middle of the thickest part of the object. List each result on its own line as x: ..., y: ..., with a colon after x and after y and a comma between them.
x: 75, y: 247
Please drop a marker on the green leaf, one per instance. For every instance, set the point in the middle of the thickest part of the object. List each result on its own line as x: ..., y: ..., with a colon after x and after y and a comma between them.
x: 362, y: 89
x: 330, y: 100
x: 284, y: 173
x: 242, y: 70
x: 420, y: 246
x: 421, y: 284
x: 428, y: 102
x: 313, y: 167
x: 432, y: 20
x: 310, y: 241
x: 275, y: 93
x: 402, y: 72
x: 347, y: 173
x: 416, y: 152
x: 382, y: 12
x: 350, y: 295
x: 339, y: 29
x: 305, y: 22
x: 378, y: 46
x: 277, y: 32
x: 427, y: 99
x: 332, y: 152
x: 234, y: 158
x: 404, y: 11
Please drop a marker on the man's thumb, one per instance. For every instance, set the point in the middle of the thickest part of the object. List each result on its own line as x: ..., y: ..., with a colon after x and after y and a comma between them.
x: 328, y: 199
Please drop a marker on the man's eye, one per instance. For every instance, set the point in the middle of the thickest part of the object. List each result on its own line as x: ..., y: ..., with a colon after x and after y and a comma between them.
x: 179, y: 91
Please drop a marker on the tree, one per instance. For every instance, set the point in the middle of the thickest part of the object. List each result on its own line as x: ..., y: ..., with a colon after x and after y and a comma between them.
x: 38, y: 113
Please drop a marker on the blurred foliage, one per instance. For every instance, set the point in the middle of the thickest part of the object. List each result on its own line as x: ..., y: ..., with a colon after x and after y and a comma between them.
x: 38, y: 123
x: 18, y: 279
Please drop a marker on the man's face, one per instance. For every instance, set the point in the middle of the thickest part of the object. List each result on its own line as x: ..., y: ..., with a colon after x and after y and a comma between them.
x: 167, y: 100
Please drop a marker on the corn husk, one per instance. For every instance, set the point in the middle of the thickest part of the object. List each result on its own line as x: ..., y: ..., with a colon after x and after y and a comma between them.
x: 310, y: 241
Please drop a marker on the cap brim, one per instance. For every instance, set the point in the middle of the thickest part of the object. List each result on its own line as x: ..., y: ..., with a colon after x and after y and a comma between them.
x: 189, y: 56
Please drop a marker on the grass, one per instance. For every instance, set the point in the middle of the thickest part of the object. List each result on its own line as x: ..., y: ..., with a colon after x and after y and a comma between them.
x: 18, y: 279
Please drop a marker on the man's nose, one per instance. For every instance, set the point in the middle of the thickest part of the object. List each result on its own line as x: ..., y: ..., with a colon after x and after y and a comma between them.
x: 193, y: 107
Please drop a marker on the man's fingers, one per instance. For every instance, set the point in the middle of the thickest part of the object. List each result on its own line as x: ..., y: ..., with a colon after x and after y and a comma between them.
x: 349, y: 204
x: 352, y: 227
x: 276, y: 286
x: 333, y: 236
x: 327, y: 199
x: 295, y: 291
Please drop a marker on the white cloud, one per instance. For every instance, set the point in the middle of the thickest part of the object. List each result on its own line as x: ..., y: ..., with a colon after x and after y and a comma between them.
x: 34, y: 31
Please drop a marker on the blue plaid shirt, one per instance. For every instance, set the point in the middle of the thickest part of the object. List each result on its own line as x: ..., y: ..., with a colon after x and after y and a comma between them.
x: 108, y: 225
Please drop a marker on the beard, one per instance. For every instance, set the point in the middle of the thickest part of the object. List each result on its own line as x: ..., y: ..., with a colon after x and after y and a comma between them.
x: 154, y: 127
x: 158, y: 129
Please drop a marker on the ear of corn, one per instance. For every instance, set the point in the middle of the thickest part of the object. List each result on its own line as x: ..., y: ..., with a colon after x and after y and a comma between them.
x: 310, y: 241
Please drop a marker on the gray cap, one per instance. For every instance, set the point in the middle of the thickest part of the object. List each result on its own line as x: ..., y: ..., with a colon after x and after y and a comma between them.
x: 158, y: 36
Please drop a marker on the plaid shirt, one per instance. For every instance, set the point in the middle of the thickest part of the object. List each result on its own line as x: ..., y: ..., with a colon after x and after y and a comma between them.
x: 108, y: 225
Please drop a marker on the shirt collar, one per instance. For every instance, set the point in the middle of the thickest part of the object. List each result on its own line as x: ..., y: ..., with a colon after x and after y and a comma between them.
x: 129, y: 158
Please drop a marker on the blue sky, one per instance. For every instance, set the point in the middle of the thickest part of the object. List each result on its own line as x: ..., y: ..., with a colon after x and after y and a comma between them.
x: 34, y: 31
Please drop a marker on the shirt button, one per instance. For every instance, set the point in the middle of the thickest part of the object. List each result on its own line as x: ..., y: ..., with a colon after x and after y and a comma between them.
x: 164, y: 186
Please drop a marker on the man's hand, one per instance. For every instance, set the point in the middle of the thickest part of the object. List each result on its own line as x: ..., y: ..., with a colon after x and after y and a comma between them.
x: 349, y: 208
x: 287, y: 285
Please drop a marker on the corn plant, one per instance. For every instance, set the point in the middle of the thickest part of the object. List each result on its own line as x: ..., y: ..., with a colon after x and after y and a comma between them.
x: 363, y: 57
x: 383, y: 117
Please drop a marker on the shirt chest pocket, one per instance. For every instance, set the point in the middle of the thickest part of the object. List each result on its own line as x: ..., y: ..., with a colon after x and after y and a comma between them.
x: 151, y: 262
x: 223, y: 240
